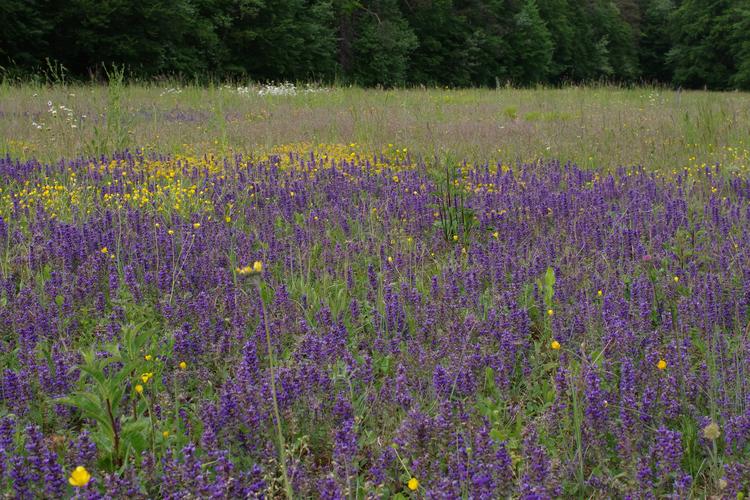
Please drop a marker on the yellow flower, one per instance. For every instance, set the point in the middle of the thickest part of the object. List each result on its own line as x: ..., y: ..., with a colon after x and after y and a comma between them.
x: 228, y: 219
x: 139, y: 389
x: 599, y: 293
x: 390, y: 259
x: 244, y: 270
x: 196, y: 225
x: 79, y: 477
x: 711, y: 431
x: 555, y: 345
x: 455, y: 237
x: 170, y: 232
x: 183, y: 365
x: 147, y: 357
x: 104, y: 250
x: 256, y: 268
x: 662, y: 365
x: 413, y: 484
x: 676, y: 279
x: 165, y: 434
x: 146, y: 377
x: 550, y: 312
x: 496, y: 235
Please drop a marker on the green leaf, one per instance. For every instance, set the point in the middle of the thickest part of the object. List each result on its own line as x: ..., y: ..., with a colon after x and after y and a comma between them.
x: 134, y: 433
x: 489, y: 379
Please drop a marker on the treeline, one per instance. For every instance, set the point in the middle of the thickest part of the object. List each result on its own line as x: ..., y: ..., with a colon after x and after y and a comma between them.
x: 689, y: 43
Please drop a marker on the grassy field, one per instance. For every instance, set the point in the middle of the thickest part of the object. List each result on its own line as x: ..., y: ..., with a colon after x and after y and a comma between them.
x: 594, y: 127
x: 356, y: 294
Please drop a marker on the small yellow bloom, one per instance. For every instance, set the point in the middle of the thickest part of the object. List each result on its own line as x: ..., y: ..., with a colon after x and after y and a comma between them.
x: 257, y: 266
x: 550, y: 312
x: 139, y: 389
x: 662, y: 365
x: 165, y: 434
x: 676, y: 279
x: 147, y: 357
x: 79, y: 477
x: 390, y: 259
x: 170, y: 232
x: 496, y: 235
x: 228, y: 219
x: 413, y: 484
x: 104, y: 250
x: 712, y: 431
x: 183, y: 365
x: 455, y: 237
x: 599, y: 293
x: 555, y: 345
x: 146, y: 377
x: 196, y: 225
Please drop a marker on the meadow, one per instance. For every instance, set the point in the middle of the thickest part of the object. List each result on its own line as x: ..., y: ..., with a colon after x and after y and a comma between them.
x: 269, y: 292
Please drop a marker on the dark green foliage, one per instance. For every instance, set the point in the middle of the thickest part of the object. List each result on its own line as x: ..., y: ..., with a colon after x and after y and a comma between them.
x: 655, y: 40
x: 532, y: 46
x: 151, y: 37
x: 278, y: 39
x: 23, y: 37
x: 702, y: 52
x: 689, y: 43
x: 739, y: 38
x: 443, y: 34
x: 557, y: 14
x: 383, y: 44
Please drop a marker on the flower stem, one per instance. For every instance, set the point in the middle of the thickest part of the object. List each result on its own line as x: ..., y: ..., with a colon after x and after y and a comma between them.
x: 277, y: 415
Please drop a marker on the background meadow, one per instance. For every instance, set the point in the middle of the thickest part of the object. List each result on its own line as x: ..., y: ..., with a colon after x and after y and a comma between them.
x: 606, y: 127
x: 318, y: 292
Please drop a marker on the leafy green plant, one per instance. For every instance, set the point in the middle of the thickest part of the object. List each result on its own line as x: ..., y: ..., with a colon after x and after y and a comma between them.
x: 55, y: 73
x: 113, y: 136
x: 455, y: 219
x: 540, y: 314
x: 124, y: 423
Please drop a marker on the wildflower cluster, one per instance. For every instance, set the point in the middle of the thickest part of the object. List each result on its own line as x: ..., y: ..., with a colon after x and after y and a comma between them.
x: 297, y: 323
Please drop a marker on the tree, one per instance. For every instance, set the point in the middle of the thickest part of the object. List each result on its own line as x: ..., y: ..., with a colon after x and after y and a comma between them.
x: 442, y: 56
x: 739, y: 17
x: 693, y: 43
x: 532, y: 46
x: 383, y: 44
x: 274, y: 40
x: 701, y: 53
x: 556, y: 14
x: 655, y: 40
x: 24, y: 36
x: 151, y: 37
